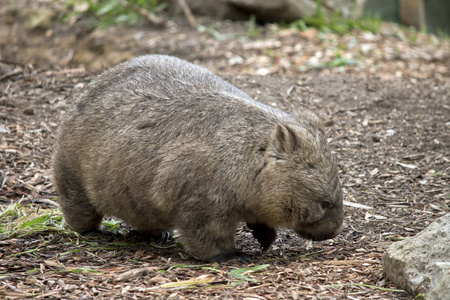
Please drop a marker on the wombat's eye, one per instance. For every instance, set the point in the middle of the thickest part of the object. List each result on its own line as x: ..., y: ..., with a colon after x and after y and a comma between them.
x: 325, y: 204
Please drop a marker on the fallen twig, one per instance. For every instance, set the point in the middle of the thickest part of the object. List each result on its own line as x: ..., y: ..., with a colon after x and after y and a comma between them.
x: 356, y: 205
x: 149, y: 16
x: 45, y: 201
x: 12, y: 63
x: 188, y: 13
x: 11, y: 74
x: 134, y: 273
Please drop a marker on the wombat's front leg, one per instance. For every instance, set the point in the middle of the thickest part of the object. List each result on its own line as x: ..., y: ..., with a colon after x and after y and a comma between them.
x: 211, y: 240
x: 264, y: 234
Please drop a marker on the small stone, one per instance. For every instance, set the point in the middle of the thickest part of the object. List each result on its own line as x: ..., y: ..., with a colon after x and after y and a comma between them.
x: 328, y: 123
x: 262, y: 71
x: 390, y: 132
x: 235, y: 60
x: 28, y: 111
x: 376, y: 138
x: 4, y: 129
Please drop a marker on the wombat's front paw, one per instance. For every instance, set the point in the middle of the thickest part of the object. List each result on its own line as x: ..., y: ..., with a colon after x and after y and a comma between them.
x: 264, y: 234
x: 229, y: 256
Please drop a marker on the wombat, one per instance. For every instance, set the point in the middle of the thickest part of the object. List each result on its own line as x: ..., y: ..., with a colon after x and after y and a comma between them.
x: 164, y: 144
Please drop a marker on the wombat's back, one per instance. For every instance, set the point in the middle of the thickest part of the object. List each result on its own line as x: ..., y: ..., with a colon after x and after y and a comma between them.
x: 172, y: 97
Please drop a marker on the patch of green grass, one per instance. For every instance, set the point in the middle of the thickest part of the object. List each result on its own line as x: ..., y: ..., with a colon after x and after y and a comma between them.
x: 336, y: 22
x: 109, y: 12
x: 114, y: 226
x: 443, y: 35
x: 253, y: 30
x: 340, y: 61
x: 413, y: 35
x: 214, y: 33
x: 18, y: 221
x: 239, y: 273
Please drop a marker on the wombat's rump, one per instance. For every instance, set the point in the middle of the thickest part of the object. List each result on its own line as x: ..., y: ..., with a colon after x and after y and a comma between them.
x: 164, y: 144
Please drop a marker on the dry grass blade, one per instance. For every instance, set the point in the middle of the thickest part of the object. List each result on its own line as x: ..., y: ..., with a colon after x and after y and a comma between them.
x: 132, y: 274
x: 185, y: 283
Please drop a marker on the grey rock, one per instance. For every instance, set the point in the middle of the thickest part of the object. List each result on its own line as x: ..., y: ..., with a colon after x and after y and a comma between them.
x: 272, y: 11
x: 412, y: 262
x: 290, y: 10
x: 440, y: 282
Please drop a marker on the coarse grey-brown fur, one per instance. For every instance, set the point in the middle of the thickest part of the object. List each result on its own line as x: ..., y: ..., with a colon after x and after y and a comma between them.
x: 164, y: 144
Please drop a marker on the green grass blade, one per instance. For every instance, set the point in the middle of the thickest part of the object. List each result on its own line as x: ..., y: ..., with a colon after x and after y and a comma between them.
x: 80, y: 270
x: 24, y: 252
x: 238, y: 273
x: 40, y: 220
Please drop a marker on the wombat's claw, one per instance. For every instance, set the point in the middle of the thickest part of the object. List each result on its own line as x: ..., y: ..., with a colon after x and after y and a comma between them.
x: 263, y: 234
x: 164, y: 237
x: 160, y: 237
x: 219, y: 258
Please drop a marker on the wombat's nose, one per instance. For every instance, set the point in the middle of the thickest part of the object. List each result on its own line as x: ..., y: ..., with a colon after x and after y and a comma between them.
x: 324, y: 229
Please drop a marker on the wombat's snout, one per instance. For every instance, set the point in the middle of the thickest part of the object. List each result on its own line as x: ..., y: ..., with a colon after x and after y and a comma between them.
x: 316, y: 235
x: 326, y: 228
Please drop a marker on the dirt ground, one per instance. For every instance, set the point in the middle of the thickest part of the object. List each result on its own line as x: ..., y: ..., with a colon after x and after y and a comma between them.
x: 387, y: 117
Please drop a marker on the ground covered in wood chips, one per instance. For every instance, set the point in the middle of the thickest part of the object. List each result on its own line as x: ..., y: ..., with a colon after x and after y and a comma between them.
x: 387, y: 118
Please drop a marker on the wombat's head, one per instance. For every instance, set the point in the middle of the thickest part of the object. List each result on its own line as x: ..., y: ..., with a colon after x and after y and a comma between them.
x: 300, y: 180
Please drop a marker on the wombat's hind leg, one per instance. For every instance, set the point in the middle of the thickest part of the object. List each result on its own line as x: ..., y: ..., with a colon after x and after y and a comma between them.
x: 80, y: 215
x: 264, y: 234
x: 78, y: 212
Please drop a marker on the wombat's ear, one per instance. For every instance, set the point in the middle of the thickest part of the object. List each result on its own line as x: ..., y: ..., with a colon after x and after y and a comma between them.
x: 284, y: 139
